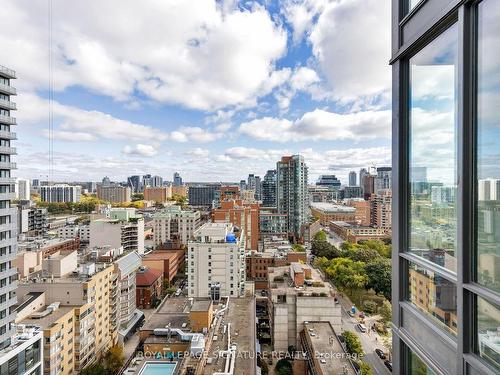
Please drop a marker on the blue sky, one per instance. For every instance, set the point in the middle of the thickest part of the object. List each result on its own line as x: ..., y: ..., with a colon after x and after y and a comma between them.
x: 212, y: 89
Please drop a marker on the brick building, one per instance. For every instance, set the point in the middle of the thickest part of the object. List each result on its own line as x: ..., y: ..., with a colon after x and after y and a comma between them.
x: 149, y: 284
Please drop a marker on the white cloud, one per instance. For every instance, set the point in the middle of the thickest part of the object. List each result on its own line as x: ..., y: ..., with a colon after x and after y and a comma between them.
x: 195, y: 134
x: 193, y: 53
x: 301, y: 79
x: 198, y: 152
x: 140, y: 150
x: 69, y: 136
x: 321, y: 125
x: 351, y: 42
x: 241, y: 153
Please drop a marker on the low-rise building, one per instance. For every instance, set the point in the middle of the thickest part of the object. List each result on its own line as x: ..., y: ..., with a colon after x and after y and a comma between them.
x: 326, y: 212
x: 124, y: 228
x: 355, y: 233
x: 311, y: 299
x: 362, y: 216
x: 166, y: 261
x: 216, y: 262
x: 201, y: 315
x: 32, y: 220
x: 149, y: 284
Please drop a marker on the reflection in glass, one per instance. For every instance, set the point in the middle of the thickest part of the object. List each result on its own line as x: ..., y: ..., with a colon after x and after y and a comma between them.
x: 488, y: 148
x: 434, y: 295
x: 488, y: 335
x: 418, y: 367
x: 433, y: 215
x: 413, y: 3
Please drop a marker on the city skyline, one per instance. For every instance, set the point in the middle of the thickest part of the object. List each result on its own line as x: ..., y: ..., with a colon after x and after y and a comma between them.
x: 284, y: 90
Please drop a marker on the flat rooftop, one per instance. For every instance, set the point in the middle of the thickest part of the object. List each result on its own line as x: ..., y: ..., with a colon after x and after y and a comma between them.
x: 174, y: 313
x: 49, y: 320
x: 201, y: 305
x: 284, y: 283
x: 327, y: 349
x: 330, y: 207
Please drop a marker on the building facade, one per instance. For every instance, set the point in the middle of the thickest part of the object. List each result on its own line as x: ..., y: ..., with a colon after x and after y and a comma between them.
x: 446, y: 289
x: 352, y: 178
x: 173, y: 223
x: 114, y: 193
x: 60, y: 193
x: 269, y: 189
x: 216, y: 262
x: 158, y: 194
x: 291, y: 193
x: 203, y: 195
x: 23, y: 189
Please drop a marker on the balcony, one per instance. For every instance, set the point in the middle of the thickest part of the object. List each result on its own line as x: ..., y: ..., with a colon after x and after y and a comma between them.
x: 7, y: 165
x: 7, y: 120
x: 7, y: 211
x: 7, y: 180
x: 8, y: 90
x: 5, y: 197
x: 8, y: 150
x: 7, y: 104
x: 6, y: 72
x: 8, y: 135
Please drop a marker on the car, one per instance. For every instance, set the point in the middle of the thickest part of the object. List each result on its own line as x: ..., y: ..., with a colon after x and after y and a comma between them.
x: 350, y: 313
x: 388, y: 364
x: 361, y: 327
x: 380, y: 353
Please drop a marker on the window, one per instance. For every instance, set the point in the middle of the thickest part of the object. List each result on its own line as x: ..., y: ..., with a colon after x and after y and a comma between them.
x: 417, y: 366
x: 433, y: 132
x: 433, y: 295
x: 488, y: 332
x: 488, y: 145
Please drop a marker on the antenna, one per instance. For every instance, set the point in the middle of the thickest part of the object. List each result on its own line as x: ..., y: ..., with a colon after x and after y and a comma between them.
x: 51, y: 97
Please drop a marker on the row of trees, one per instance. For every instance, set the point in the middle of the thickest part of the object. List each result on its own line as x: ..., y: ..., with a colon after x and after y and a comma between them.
x: 365, y: 265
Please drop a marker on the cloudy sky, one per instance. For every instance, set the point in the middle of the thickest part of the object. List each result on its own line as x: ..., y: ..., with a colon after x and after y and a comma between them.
x: 212, y: 89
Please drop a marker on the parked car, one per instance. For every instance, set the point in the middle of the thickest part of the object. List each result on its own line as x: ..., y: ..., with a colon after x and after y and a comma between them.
x: 361, y: 327
x: 380, y: 353
x: 388, y: 365
x: 350, y: 313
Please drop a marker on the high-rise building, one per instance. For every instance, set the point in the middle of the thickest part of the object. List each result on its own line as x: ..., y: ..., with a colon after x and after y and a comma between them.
x: 291, y: 193
x: 269, y: 189
x: 445, y: 245
x: 114, y: 193
x: 383, y: 179
x: 254, y: 183
x: 362, y: 174
x: 203, y: 195
x: 135, y: 183
x: 368, y: 185
x: 381, y: 209
x: 60, y: 193
x: 352, y: 178
x: 156, y: 181
x: 158, y: 194
x: 177, y: 179
x: 330, y: 181
x: 17, y: 346
x: 216, y: 262
x: 106, y: 181
x: 22, y: 189
x: 243, y: 185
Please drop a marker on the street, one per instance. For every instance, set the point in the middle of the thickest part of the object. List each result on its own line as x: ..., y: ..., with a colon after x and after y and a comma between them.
x: 368, y: 342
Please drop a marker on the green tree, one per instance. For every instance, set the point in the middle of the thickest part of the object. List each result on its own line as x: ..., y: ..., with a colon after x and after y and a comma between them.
x: 352, y: 343
x: 365, y: 368
x: 96, y: 368
x: 386, y: 311
x: 347, y: 274
x: 362, y: 254
x: 320, y: 236
x: 379, y: 272
x: 370, y: 307
x: 137, y: 197
x: 324, y: 249
x: 114, y: 359
x: 383, y: 249
x: 298, y: 248
x: 283, y: 367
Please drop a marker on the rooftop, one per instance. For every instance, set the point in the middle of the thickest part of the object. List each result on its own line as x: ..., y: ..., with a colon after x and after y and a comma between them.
x: 49, y: 320
x: 147, y: 276
x: 330, y: 207
x: 326, y: 348
x: 201, y: 305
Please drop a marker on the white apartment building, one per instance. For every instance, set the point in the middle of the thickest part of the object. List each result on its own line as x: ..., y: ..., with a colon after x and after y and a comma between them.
x: 216, y: 262
x: 127, y: 314
x: 60, y: 193
x: 123, y: 228
x: 68, y: 231
x: 173, y: 222
x: 22, y: 189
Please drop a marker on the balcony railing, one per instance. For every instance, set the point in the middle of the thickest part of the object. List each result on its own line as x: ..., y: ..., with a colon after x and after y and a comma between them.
x: 7, y: 72
x: 6, y: 89
x: 7, y: 120
x: 8, y: 150
x: 7, y: 165
x: 7, y: 135
x: 7, y: 104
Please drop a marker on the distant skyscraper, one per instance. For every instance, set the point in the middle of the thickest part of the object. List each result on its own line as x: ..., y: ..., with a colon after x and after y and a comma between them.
x: 22, y: 189
x: 146, y: 180
x: 135, y: 183
x: 419, y: 174
x: 362, y: 174
x: 177, y: 179
x: 352, y: 178
x: 203, y: 195
x: 291, y: 192
x: 383, y: 180
x: 269, y: 189
x: 329, y: 180
x: 156, y: 181
x: 243, y: 185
